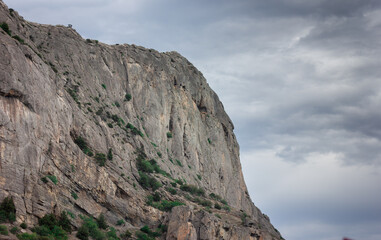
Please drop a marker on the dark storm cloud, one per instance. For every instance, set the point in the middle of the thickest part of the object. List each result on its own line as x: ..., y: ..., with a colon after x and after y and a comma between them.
x: 300, y: 80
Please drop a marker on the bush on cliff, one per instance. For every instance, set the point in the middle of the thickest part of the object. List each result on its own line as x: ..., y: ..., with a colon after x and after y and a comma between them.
x: 7, y: 210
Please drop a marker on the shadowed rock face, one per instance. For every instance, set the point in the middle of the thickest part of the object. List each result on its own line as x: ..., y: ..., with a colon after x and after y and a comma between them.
x: 56, y: 87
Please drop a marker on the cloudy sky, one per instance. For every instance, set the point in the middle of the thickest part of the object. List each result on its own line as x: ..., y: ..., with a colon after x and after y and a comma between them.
x: 300, y: 80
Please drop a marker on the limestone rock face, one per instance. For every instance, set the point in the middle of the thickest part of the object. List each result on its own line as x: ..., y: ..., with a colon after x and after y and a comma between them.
x: 56, y: 88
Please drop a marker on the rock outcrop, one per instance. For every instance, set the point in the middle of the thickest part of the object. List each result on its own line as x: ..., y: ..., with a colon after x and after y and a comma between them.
x: 90, y: 128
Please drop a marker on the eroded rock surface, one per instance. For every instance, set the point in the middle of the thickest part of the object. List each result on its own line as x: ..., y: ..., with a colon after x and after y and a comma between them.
x: 56, y: 86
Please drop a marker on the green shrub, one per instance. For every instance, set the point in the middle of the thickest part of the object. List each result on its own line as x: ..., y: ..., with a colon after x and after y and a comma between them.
x: 27, y: 236
x: 193, y: 189
x: 209, y: 141
x: 162, y: 205
x: 153, y: 144
x: 14, y: 230
x: 215, y: 196
x: 55, y: 232
x: 179, y: 163
x: 82, y: 144
x: 146, y: 229
x: 120, y: 222
x: 93, y: 228
x: 51, y: 177
x: 145, y: 166
x: 5, y: 27
x: 126, y: 235
x: 19, y: 39
x: 159, y: 154
x: 179, y: 181
x: 109, y: 154
x: 223, y: 201
x: 168, y: 205
x: 149, y: 232
x: 23, y: 225
x: 111, y: 234
x: 42, y: 230
x: 49, y: 220
x: 169, y: 135
x: 102, y: 222
x: 83, y: 233
x: 52, y: 227
x: 243, y: 217
x: 74, y: 195
x: 58, y: 233
x: 127, y: 97
x: 206, y: 203
x: 226, y: 207
x: 104, y: 86
x: 143, y: 236
x: 99, y: 112
x: 100, y: 158
x: 117, y: 104
x: 3, y: 230
x: 64, y: 222
x: 72, y: 92
x: 156, y: 197
x: 199, y: 176
x: 162, y: 228
x: 72, y: 215
x: 7, y: 210
x: 171, y: 190
x: 134, y: 130
x: 217, y: 206
x: 148, y: 182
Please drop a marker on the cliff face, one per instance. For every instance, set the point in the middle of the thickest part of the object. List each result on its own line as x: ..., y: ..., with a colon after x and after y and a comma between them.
x: 66, y: 101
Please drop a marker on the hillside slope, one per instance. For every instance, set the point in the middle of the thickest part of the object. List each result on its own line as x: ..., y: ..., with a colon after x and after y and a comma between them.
x: 90, y: 128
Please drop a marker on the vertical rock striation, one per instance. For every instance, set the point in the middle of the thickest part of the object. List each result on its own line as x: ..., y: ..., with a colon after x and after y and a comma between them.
x: 128, y: 103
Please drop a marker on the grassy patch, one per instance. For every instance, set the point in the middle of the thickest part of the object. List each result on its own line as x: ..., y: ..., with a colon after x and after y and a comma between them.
x: 193, y: 189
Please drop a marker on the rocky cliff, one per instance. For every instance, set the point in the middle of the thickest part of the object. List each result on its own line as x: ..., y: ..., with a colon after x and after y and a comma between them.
x: 122, y: 130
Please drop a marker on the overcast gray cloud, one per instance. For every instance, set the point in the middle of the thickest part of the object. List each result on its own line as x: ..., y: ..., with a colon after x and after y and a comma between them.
x: 300, y: 80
